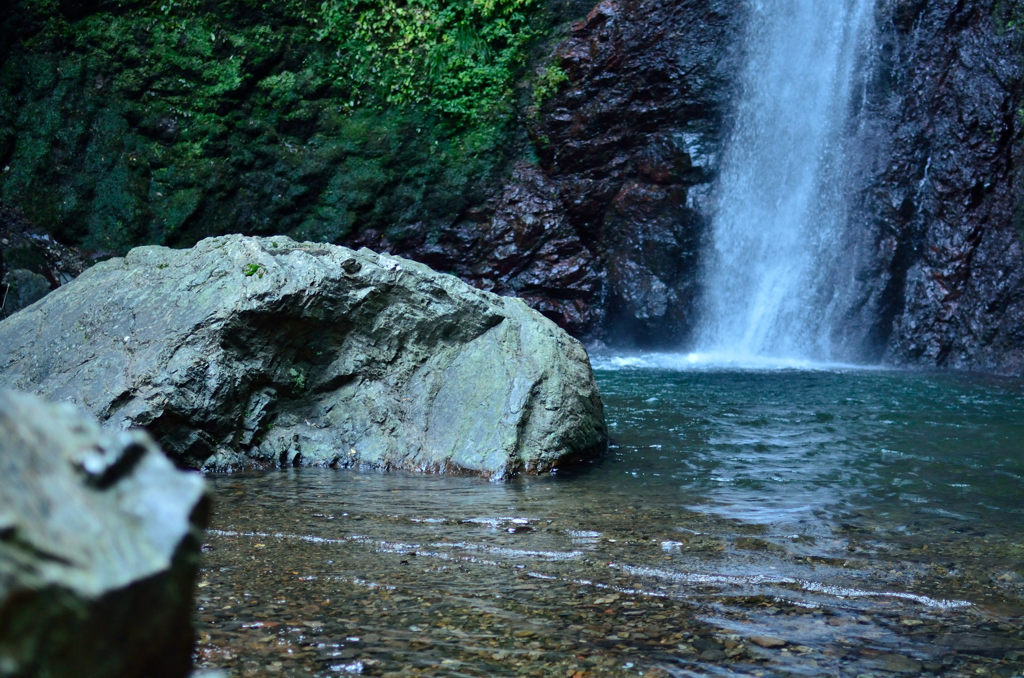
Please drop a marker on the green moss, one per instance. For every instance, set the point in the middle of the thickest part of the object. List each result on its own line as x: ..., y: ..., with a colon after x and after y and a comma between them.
x: 1008, y: 16
x: 298, y: 379
x: 168, y: 121
x: 550, y: 80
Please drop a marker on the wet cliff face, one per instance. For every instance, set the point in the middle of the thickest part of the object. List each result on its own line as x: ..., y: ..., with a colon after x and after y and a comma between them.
x: 631, y: 145
x: 600, y: 217
x: 937, y: 220
x: 943, y: 208
x: 31, y: 264
x: 603, y: 231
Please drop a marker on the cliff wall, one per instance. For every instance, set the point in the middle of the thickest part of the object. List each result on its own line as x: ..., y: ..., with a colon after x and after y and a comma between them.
x: 943, y: 208
x: 589, y: 193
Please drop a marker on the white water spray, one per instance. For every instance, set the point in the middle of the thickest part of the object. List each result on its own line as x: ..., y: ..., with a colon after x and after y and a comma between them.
x: 772, y: 277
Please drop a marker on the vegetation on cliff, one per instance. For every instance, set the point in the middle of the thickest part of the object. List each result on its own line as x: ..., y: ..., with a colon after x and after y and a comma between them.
x: 126, y: 122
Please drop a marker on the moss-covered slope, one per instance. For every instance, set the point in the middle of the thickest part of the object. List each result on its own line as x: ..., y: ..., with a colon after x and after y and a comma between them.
x: 124, y: 123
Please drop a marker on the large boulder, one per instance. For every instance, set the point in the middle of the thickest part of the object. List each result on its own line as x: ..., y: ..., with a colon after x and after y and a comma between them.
x: 99, y: 542
x: 264, y: 351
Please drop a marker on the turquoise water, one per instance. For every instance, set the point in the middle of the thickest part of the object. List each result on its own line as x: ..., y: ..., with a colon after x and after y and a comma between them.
x: 756, y: 522
x: 779, y: 445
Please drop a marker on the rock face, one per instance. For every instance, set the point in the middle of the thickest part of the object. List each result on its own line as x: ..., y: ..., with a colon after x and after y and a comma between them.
x: 524, y: 246
x: 99, y: 541
x: 602, y: 235
x: 632, y: 144
x: 942, y: 216
x: 31, y: 264
x: 248, y: 351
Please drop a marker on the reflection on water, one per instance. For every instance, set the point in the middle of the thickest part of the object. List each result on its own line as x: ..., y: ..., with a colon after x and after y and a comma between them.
x: 775, y: 445
x: 774, y: 522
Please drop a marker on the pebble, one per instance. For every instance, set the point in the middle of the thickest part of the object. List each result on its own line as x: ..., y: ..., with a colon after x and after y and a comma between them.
x: 768, y: 641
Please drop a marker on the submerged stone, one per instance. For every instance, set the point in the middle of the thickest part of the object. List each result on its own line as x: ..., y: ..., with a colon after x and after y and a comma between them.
x: 264, y: 351
x: 896, y: 663
x: 99, y: 542
x: 768, y: 641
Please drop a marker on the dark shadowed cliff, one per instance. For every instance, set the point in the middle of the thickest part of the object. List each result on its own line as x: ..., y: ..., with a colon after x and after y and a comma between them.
x: 943, y: 216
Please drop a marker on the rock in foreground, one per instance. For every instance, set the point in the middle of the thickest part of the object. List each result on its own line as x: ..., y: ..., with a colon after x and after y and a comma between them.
x: 98, y: 548
x: 263, y: 351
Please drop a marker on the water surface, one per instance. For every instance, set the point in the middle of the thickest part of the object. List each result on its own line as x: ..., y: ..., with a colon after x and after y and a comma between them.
x: 744, y: 522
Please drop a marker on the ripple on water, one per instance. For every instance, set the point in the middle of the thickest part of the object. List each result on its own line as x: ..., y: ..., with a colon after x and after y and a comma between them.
x: 739, y: 515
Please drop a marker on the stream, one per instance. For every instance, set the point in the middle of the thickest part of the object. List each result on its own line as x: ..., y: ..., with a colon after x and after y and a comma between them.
x: 765, y: 521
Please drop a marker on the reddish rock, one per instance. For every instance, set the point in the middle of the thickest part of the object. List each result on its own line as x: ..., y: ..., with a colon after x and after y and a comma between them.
x: 523, y: 245
x: 631, y: 143
x: 768, y: 641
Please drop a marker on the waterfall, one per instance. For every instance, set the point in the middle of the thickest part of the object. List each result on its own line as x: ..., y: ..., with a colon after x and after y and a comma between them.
x: 773, y: 276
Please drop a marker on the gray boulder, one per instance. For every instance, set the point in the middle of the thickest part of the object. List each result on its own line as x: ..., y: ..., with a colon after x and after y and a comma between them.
x: 99, y: 542
x: 264, y: 351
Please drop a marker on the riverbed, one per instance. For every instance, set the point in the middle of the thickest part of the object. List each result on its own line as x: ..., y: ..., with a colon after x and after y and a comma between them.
x: 766, y: 520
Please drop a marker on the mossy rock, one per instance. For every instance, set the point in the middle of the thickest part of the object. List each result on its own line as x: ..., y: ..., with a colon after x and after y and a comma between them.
x: 126, y: 123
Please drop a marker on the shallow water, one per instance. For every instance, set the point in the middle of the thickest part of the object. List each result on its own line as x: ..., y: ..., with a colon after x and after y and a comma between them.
x: 855, y: 522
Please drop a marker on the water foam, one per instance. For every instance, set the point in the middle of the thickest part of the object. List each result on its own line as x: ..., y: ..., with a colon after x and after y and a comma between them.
x: 403, y: 548
x: 713, y: 361
x: 700, y: 579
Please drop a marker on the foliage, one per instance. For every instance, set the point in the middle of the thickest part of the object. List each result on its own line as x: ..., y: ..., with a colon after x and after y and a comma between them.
x: 457, y: 57
x: 167, y: 121
x: 549, y: 81
x: 1008, y: 16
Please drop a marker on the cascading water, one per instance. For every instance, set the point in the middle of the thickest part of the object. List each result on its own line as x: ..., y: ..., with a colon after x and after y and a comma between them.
x: 772, y: 277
